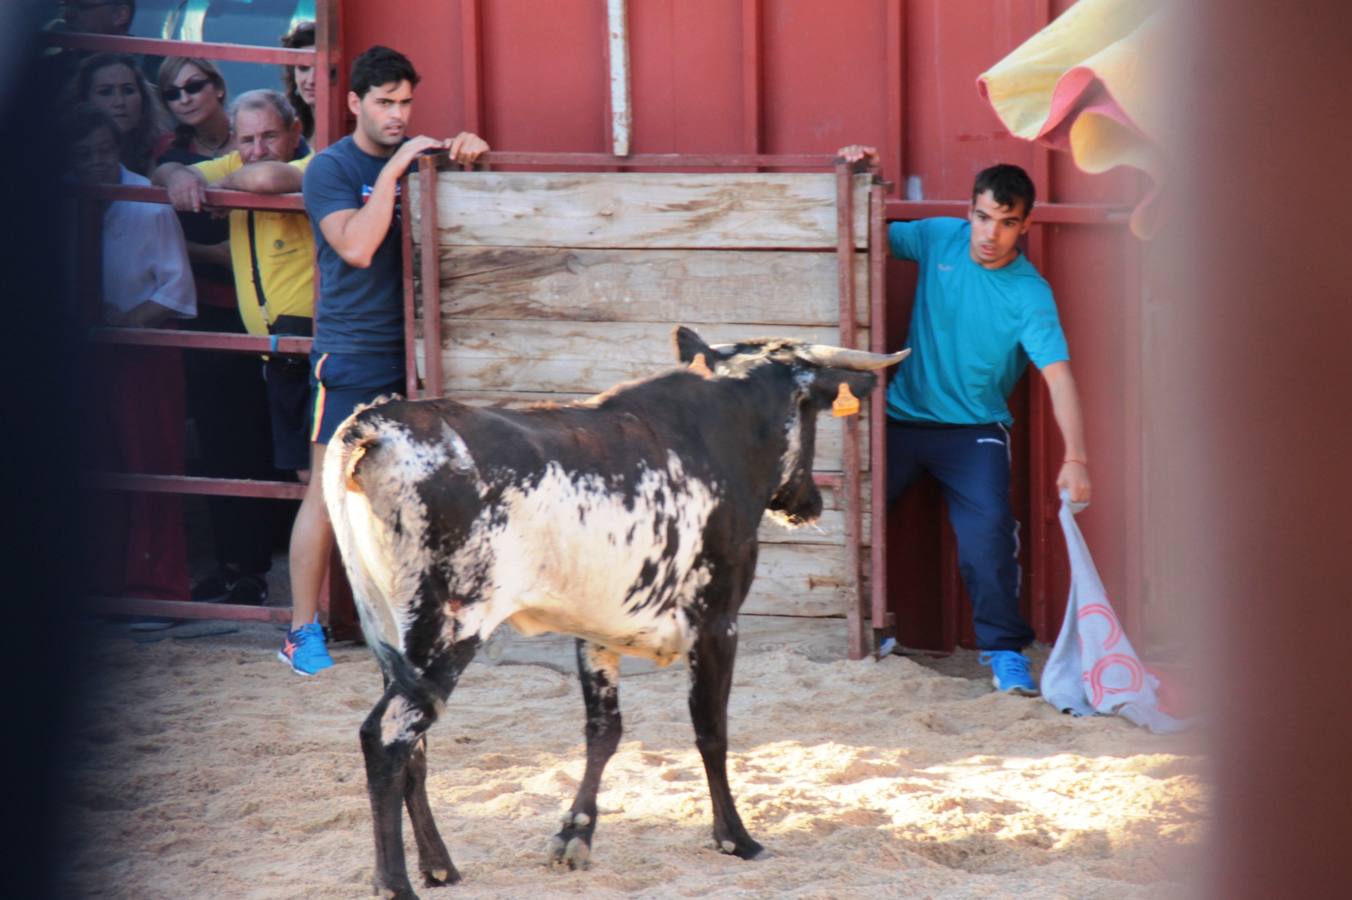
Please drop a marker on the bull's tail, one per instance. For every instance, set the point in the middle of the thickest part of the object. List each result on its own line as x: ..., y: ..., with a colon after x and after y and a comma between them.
x: 355, y: 528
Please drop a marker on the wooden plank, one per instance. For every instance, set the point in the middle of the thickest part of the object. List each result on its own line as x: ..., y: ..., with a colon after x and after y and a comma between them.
x: 766, y: 287
x: 643, y: 210
x: 829, y: 430
x: 578, y: 357
x: 798, y: 580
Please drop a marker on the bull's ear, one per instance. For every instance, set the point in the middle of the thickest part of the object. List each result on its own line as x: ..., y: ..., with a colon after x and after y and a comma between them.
x: 689, y: 344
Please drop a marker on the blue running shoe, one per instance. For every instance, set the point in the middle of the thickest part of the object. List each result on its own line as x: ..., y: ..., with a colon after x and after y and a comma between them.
x: 1010, y: 668
x: 304, y: 650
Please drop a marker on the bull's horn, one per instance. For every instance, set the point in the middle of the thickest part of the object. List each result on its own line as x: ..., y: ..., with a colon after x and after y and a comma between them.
x: 844, y: 358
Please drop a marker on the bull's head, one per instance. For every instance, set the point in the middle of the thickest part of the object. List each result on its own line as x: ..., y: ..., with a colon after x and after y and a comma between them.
x: 813, y: 375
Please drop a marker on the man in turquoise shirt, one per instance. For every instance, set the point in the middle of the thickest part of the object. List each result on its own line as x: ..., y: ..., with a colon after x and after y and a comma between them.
x: 981, y: 313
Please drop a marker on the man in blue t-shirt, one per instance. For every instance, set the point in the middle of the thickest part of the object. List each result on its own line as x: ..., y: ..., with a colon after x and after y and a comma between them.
x: 352, y: 197
x: 981, y: 313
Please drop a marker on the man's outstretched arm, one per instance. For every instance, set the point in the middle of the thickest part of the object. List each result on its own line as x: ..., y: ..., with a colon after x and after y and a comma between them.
x: 1074, y: 474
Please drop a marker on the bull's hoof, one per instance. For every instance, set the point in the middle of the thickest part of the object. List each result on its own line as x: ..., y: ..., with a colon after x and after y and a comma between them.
x: 571, y: 847
x: 746, y: 849
x: 440, y: 876
x: 385, y: 892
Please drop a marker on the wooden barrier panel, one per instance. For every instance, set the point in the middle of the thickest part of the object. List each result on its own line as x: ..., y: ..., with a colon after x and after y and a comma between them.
x: 554, y: 287
x: 549, y: 356
x: 690, y: 287
x: 640, y: 210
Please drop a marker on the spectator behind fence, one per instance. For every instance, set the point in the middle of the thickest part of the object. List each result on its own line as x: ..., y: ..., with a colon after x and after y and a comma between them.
x: 226, y: 395
x: 299, y: 81
x: 113, y: 83
x: 273, y: 251
x: 59, y: 65
x: 97, y: 17
x: 135, y: 540
x: 351, y: 194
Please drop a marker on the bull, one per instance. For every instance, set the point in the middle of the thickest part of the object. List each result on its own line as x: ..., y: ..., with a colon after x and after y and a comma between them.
x: 628, y: 520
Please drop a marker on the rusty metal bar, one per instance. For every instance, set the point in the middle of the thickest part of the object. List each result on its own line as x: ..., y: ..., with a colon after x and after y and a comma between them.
x: 201, y: 340
x: 1046, y: 213
x: 830, y: 480
x: 328, y: 53
x: 190, y: 484
x: 854, y: 613
x: 410, y: 310
x: 431, y: 277
x: 223, y: 199
x: 654, y: 160
x: 246, y: 53
x: 877, y: 260
x: 186, y: 609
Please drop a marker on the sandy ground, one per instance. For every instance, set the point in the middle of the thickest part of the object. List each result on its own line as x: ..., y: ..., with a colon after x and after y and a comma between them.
x: 207, y: 769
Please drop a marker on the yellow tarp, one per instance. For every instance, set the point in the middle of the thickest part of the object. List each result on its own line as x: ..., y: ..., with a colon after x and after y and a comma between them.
x: 1089, y: 83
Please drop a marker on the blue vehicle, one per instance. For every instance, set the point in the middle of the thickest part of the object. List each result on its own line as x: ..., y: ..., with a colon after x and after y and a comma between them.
x: 256, y: 22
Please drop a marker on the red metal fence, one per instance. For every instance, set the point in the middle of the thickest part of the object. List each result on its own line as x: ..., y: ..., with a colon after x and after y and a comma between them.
x: 324, y: 56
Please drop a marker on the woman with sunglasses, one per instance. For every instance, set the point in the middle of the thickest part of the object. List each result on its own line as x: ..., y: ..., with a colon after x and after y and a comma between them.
x: 113, y: 83
x: 194, y: 92
x: 299, y: 81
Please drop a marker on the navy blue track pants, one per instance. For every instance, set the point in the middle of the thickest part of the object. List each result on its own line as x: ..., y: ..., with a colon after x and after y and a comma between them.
x: 971, y: 464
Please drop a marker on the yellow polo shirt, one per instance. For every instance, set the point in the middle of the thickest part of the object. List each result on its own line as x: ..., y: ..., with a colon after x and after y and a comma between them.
x: 285, y: 251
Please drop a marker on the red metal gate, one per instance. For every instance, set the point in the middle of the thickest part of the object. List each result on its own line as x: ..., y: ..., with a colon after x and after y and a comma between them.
x: 807, y: 76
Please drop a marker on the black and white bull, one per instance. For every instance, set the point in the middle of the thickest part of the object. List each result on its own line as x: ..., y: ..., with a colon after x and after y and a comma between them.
x: 627, y: 520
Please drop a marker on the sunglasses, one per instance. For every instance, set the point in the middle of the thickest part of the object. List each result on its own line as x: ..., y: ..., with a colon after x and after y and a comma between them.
x: 192, y: 89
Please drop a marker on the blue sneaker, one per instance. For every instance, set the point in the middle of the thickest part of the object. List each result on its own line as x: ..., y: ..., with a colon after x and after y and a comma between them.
x: 1010, y: 668
x: 304, y: 650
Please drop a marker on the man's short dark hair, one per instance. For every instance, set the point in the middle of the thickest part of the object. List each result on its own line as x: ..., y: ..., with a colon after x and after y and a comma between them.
x: 380, y: 65
x: 1008, y: 184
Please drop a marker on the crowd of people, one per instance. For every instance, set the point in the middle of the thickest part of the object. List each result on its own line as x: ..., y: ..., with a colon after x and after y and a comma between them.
x: 187, y: 265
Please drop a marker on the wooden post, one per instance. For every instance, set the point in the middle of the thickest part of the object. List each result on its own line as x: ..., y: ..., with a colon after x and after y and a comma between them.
x: 854, y: 609
x: 410, y: 312
x: 431, y: 277
x: 881, y: 616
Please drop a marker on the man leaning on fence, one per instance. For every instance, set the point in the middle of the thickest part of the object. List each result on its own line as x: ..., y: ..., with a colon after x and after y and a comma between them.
x: 351, y: 196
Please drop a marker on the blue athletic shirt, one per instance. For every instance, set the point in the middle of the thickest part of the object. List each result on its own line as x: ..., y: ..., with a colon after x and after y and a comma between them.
x: 973, y: 330
x: 359, y: 310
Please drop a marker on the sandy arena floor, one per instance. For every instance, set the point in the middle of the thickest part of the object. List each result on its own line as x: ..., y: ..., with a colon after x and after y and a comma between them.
x: 210, y: 770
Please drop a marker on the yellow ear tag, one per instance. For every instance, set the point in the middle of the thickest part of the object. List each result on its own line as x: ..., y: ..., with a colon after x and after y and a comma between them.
x: 700, y: 367
x: 846, y: 404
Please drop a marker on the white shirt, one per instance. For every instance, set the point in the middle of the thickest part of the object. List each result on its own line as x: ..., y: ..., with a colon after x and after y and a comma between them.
x: 145, y: 257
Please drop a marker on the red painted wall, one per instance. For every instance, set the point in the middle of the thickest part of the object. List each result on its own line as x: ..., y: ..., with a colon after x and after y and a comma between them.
x: 795, y: 76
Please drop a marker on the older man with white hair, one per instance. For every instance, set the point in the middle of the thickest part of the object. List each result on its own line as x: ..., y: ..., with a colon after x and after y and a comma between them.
x: 272, y: 253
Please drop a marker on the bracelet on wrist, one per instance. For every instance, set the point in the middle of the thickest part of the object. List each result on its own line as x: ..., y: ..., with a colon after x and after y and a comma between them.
x: 1082, y: 462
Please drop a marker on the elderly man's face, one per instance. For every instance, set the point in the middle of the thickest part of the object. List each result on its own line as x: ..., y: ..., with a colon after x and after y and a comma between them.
x: 260, y: 135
